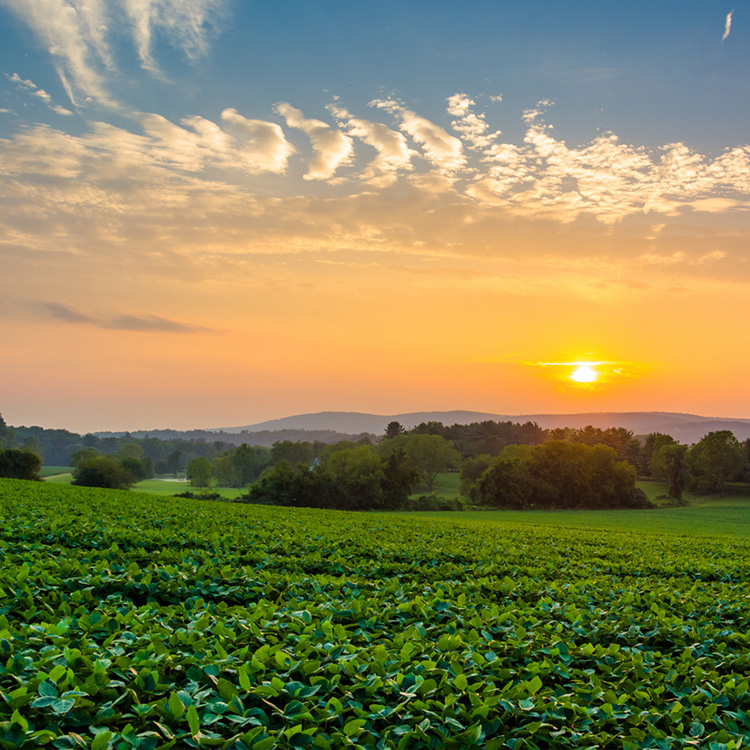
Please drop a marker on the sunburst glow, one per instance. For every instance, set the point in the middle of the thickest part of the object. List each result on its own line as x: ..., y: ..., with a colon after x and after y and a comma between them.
x: 584, y: 374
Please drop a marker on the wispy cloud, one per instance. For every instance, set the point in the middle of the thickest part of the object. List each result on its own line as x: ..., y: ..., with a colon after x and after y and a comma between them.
x: 34, y: 90
x: 187, y: 23
x: 331, y: 147
x: 727, y: 26
x: 79, y: 35
x: 145, y: 323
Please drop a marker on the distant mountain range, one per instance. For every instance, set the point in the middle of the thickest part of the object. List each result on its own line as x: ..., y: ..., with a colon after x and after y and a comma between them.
x: 687, y: 428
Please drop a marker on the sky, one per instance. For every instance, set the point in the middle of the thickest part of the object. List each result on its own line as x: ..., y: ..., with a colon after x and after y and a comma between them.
x: 217, y: 212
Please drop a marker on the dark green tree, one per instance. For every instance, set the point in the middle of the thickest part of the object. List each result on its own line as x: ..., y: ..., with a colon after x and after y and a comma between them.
x: 7, y: 435
x: 672, y: 458
x: 174, y: 461
x: 718, y: 458
x: 199, y: 472
x: 428, y: 454
x: 651, y: 460
x: 394, y: 429
x: 102, y: 471
x: 19, y: 464
x: 136, y: 467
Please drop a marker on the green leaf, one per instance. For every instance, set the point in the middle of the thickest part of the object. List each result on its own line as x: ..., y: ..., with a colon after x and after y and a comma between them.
x: 534, y: 685
x: 16, y: 718
x: 354, y: 727
x: 176, y: 706
x: 193, y: 721
x: 101, y: 741
x: 57, y: 672
x: 63, y: 705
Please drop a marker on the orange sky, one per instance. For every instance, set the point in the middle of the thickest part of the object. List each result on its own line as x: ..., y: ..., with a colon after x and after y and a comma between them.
x: 183, y: 246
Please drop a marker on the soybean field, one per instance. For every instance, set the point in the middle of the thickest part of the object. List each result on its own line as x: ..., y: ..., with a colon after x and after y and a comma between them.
x: 139, y: 621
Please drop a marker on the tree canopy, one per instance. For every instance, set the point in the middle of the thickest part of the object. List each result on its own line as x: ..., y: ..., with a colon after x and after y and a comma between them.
x: 558, y: 474
x: 718, y: 458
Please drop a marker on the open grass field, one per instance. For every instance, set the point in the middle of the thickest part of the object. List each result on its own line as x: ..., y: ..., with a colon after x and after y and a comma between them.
x: 703, y: 516
x: 137, y: 621
x: 51, y: 471
x: 167, y: 487
x: 63, y: 475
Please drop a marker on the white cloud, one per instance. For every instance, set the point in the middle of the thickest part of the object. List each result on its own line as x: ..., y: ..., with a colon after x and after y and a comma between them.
x: 331, y: 147
x: 727, y: 26
x: 184, y: 22
x: 78, y: 34
x: 394, y: 154
x: 69, y: 30
x: 262, y: 145
x: 472, y: 127
x: 36, y: 91
x: 442, y: 149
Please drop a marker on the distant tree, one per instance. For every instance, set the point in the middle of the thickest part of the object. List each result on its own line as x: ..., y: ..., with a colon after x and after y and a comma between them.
x: 136, y: 467
x: 224, y: 472
x: 394, y: 429
x: 672, y: 458
x: 358, y: 472
x: 558, y: 474
x: 429, y: 428
x: 507, y: 483
x: 102, y: 471
x: 131, y: 450
x: 249, y: 462
x: 471, y: 471
x: 428, y: 454
x: 294, y: 453
x: 656, y: 466
x: 7, y: 435
x: 83, y: 455
x: 199, y: 472
x: 718, y: 458
x: 400, y: 478
x: 148, y: 467
x: 19, y: 464
x: 174, y: 461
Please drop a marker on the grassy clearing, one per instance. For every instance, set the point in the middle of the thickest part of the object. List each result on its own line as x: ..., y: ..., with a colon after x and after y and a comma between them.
x: 167, y: 487
x: 51, y: 471
x: 729, y: 517
x: 446, y: 484
x: 64, y: 478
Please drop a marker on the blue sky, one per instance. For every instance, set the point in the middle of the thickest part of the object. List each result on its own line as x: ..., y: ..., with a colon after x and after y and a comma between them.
x: 182, y: 176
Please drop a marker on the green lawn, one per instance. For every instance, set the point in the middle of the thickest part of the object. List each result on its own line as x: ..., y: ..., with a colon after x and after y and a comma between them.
x: 446, y: 484
x: 168, y: 487
x: 62, y: 478
x: 63, y: 475
x: 50, y: 471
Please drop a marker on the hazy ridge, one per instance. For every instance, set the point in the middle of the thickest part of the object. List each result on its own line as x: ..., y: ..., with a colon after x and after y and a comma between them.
x: 688, y: 428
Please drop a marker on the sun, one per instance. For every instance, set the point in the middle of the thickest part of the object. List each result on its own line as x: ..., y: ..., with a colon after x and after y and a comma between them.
x: 584, y: 374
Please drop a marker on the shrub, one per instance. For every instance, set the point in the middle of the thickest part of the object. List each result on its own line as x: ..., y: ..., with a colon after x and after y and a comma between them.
x: 102, y: 471
x: 19, y: 464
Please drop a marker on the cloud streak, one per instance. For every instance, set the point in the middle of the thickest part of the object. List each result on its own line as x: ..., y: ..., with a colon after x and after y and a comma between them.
x: 141, y: 323
x: 80, y: 35
x: 727, y: 26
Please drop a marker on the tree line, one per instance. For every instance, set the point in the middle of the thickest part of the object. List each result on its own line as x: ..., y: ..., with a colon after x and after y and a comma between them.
x: 521, y: 465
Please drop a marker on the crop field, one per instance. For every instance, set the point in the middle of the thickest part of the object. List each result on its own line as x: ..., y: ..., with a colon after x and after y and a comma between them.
x: 139, y: 621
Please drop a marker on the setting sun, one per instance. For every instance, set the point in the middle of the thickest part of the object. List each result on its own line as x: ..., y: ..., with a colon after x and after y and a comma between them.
x: 584, y: 374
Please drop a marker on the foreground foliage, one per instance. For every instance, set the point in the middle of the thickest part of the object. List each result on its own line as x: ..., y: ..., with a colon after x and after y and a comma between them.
x: 130, y: 621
